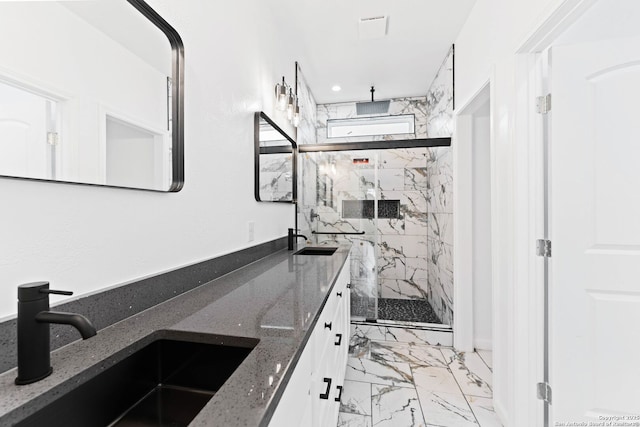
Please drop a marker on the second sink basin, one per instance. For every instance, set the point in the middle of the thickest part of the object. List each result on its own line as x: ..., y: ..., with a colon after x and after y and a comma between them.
x: 165, y: 383
x: 317, y: 250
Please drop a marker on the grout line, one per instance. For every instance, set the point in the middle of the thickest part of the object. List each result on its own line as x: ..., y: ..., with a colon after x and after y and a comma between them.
x: 371, y: 400
x: 424, y: 417
x: 380, y: 384
x: 485, y: 362
x: 460, y: 388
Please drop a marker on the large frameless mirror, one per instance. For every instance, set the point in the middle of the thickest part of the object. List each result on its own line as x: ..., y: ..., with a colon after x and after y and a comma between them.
x: 275, y: 162
x: 91, y: 92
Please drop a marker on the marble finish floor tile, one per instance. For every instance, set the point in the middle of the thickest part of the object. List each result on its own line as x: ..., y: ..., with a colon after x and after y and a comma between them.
x: 435, y: 379
x: 472, y: 374
x: 398, y: 379
x: 359, y: 346
x: 356, y: 398
x: 482, y: 408
x: 418, y: 336
x: 379, y: 372
x: 396, y: 407
x: 369, y: 331
x: 415, y: 355
x: 446, y: 409
x: 353, y: 420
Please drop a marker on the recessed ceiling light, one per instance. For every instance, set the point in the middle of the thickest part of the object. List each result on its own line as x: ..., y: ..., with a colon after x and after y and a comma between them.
x: 336, y: 88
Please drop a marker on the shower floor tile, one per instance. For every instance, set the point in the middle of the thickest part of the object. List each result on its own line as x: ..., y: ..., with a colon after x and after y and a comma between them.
x: 407, y: 310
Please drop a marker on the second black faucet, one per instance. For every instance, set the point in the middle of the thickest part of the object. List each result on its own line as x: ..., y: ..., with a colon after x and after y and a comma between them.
x: 291, y: 236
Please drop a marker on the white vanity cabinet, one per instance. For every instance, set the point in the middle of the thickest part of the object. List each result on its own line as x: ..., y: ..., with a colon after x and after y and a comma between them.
x: 312, y: 395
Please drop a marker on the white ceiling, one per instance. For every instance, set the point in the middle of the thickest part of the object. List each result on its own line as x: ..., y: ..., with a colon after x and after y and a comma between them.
x: 419, y: 34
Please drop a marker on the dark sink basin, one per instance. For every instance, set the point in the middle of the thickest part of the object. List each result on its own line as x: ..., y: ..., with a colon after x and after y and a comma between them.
x: 316, y: 250
x: 165, y: 383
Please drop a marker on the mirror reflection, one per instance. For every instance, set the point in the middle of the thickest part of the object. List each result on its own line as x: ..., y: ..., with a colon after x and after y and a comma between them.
x: 274, y: 162
x: 90, y: 92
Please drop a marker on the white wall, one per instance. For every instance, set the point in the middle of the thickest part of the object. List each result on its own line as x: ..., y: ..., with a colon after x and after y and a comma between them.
x: 493, y: 32
x: 486, y: 50
x: 482, y: 293
x: 86, y: 238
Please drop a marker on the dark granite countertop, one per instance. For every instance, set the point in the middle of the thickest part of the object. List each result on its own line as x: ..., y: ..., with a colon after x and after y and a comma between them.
x: 275, y: 300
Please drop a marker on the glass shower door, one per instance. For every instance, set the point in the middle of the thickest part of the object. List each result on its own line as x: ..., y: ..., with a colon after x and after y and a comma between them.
x: 393, y: 206
x: 346, y: 211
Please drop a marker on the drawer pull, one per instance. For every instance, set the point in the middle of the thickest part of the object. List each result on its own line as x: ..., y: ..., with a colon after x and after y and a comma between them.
x: 339, y: 294
x: 339, y: 341
x: 348, y: 285
x: 328, y: 325
x: 325, y: 395
x: 339, y: 387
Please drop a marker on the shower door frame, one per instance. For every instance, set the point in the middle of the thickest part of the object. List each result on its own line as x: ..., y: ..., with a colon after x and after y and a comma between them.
x: 376, y: 145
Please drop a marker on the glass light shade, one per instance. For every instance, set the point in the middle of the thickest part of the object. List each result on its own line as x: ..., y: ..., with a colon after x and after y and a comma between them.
x: 296, y: 116
x: 290, y: 104
x: 281, y: 97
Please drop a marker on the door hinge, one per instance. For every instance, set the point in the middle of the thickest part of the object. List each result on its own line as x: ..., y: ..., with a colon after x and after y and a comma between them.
x: 52, y: 138
x: 543, y: 104
x: 544, y: 392
x: 543, y: 248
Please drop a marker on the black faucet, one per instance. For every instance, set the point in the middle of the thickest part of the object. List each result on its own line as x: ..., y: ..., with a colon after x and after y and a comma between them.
x: 34, y: 347
x: 291, y: 237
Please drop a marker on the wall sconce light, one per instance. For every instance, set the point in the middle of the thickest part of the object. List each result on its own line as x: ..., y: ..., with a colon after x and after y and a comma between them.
x: 286, y: 100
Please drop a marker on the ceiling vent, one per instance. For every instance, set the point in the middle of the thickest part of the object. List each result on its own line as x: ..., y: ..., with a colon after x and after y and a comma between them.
x: 372, y: 28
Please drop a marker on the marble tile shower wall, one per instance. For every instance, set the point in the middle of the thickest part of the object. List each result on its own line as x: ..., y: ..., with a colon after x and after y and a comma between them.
x: 275, y: 177
x: 306, y: 131
x: 306, y: 134
x: 440, y: 232
x: 402, y: 242
x: 440, y: 103
x: 346, y: 110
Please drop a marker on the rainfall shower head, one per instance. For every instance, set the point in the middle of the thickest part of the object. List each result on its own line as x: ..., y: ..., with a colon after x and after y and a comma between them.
x: 373, y: 107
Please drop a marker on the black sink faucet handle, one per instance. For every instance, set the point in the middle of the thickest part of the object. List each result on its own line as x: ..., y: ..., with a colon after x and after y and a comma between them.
x: 52, y: 291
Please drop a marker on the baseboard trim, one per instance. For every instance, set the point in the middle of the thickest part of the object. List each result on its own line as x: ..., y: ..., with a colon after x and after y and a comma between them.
x: 501, y: 413
x: 480, y: 344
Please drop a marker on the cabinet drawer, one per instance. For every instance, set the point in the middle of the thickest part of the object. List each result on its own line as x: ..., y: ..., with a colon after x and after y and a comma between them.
x: 326, y: 392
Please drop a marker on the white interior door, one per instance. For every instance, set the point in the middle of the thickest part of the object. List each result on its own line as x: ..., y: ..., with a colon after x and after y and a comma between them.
x: 23, y: 133
x: 595, y: 230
